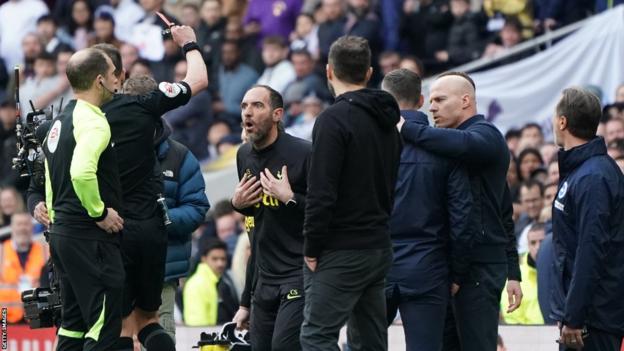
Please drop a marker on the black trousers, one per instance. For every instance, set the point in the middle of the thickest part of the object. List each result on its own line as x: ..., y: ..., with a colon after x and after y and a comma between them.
x: 91, y: 277
x: 276, y: 316
x: 598, y: 340
x: 472, y: 317
x: 423, y: 317
x: 347, y: 287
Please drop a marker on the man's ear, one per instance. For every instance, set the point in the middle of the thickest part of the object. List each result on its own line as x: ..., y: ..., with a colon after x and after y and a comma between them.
x: 278, y: 113
x: 369, y: 74
x: 562, y: 123
x: 329, y: 72
x: 421, y: 100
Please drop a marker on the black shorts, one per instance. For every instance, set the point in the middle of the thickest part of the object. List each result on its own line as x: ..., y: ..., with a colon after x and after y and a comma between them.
x: 144, y: 249
x: 91, y: 278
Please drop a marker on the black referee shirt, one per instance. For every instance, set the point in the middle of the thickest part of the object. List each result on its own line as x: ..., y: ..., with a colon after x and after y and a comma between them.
x: 133, y: 121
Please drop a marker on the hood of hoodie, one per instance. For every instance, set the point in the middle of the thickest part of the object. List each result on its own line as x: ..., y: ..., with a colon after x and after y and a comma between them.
x: 379, y: 104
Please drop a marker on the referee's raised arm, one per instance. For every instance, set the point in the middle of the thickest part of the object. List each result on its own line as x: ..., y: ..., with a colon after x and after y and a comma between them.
x: 196, y: 74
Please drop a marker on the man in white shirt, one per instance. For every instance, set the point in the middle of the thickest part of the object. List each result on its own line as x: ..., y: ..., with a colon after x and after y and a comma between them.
x: 17, y: 17
x: 279, y: 72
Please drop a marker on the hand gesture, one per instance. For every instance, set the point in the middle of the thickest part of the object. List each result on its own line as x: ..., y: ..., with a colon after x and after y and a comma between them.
x: 278, y: 188
x: 41, y: 214
x: 242, y: 318
x: 112, y: 223
x: 514, y: 293
x: 183, y: 35
x: 247, y: 193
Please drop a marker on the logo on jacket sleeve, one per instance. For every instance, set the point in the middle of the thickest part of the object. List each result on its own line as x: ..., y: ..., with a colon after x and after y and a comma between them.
x: 54, y: 136
x: 171, y: 89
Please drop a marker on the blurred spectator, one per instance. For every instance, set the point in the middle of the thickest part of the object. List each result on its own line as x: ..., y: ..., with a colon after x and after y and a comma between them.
x: 500, y: 11
x: 279, y: 72
x: 201, y: 293
x: 126, y: 14
x: 305, y: 35
x: 513, y: 180
x: 17, y: 19
x: 413, y: 64
x: 234, y: 79
x: 31, y: 48
x: 239, y: 262
x: 140, y: 67
x: 148, y: 35
x: 602, y: 5
x: 228, y: 144
x: 532, y: 199
x: 43, y: 82
x: 8, y: 176
x: 129, y: 55
x: 528, y: 161
x: 61, y: 92
x: 531, y: 135
x: 211, y: 33
x: 614, y: 129
x: 21, y: 260
x: 509, y: 36
x: 11, y: 202
x: 614, y: 110
x: 426, y: 26
x: 550, y: 191
x: 615, y: 148
x: 303, y: 124
x: 548, y: 152
x: 46, y: 30
x: 553, y: 171
x: 80, y: 26
x: 307, y: 82
x: 464, y: 41
x: 228, y: 228
x: 332, y: 28
x: 553, y: 14
x: 190, y: 16
x: 104, y: 30
x: 266, y: 18
x: 529, y: 311
x: 512, y: 137
x: 389, y: 61
x: 190, y: 122
x: 248, y: 47
x: 363, y: 22
x: 619, y: 93
x: 216, y: 132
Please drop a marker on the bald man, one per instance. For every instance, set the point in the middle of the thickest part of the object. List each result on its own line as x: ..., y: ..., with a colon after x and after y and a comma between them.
x: 477, y: 285
x: 82, y: 195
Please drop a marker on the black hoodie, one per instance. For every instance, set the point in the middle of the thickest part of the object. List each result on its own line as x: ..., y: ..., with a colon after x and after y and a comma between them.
x: 353, y: 171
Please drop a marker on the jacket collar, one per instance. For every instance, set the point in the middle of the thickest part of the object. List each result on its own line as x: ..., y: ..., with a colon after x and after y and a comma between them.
x: 162, y: 149
x: 415, y: 116
x: 571, y: 159
x: 470, y: 121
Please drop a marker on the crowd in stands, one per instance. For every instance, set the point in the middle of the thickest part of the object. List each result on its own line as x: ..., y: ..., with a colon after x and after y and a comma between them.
x: 283, y: 44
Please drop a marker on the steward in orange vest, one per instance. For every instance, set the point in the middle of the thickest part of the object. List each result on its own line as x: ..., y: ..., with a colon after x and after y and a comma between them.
x: 16, y: 275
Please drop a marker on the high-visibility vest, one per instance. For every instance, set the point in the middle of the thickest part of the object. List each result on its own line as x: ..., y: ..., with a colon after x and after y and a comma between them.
x: 10, y: 274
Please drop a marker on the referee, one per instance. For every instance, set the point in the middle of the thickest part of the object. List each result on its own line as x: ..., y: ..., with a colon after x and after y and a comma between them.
x: 133, y: 121
x: 82, y: 193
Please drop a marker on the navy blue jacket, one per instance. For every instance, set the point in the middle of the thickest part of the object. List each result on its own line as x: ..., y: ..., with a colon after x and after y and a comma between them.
x: 482, y: 148
x: 545, y: 274
x: 588, y: 235
x: 432, y: 204
x: 187, y: 202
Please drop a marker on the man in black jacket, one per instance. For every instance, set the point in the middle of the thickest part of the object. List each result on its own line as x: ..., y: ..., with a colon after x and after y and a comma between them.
x: 428, y: 227
x: 588, y: 232
x: 355, y: 159
x: 466, y: 136
x: 273, y: 169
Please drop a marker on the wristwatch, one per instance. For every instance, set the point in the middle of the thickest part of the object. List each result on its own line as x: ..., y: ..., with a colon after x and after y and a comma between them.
x: 291, y: 202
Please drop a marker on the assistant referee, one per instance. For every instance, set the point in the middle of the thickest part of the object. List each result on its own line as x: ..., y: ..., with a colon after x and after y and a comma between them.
x: 82, y: 193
